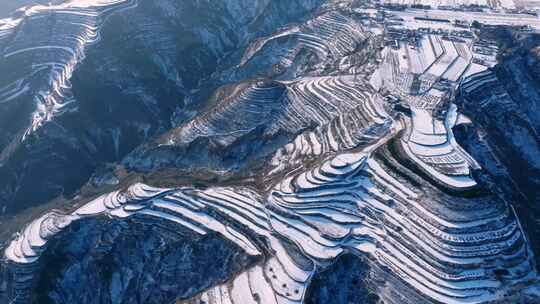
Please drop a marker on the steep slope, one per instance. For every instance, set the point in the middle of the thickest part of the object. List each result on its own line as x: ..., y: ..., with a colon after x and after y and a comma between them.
x: 339, y: 136
x: 436, y: 247
x: 89, y: 81
x: 505, y: 138
x: 296, y: 100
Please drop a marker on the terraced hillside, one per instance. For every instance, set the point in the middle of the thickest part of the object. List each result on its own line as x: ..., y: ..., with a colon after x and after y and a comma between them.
x: 267, y: 145
x: 507, y: 4
x: 85, y: 82
x: 448, y: 251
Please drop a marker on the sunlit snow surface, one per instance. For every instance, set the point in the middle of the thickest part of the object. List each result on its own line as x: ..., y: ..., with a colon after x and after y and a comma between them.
x: 351, y: 198
x: 423, y: 76
x: 508, y: 4
x: 324, y: 211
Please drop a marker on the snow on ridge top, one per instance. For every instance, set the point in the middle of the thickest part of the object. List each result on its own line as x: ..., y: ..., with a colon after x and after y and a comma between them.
x: 348, y: 159
x: 7, y: 24
x: 135, y: 193
x: 93, y: 3
x: 18, y: 15
x: 31, y: 242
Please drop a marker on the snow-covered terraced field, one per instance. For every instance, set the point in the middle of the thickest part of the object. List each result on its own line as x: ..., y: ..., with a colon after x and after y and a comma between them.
x: 332, y: 203
x: 362, y: 165
x: 260, y: 103
x: 364, y: 124
x: 288, y: 106
x: 279, y: 280
x: 507, y: 4
x: 46, y: 62
x: 447, y: 60
x: 432, y: 145
x: 351, y: 202
x: 429, y: 141
x: 488, y: 17
x: 476, y: 81
x: 331, y: 36
x: 324, y: 98
x: 433, y: 58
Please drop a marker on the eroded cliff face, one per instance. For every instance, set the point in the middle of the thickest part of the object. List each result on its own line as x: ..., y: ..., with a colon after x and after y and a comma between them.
x: 269, y: 152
